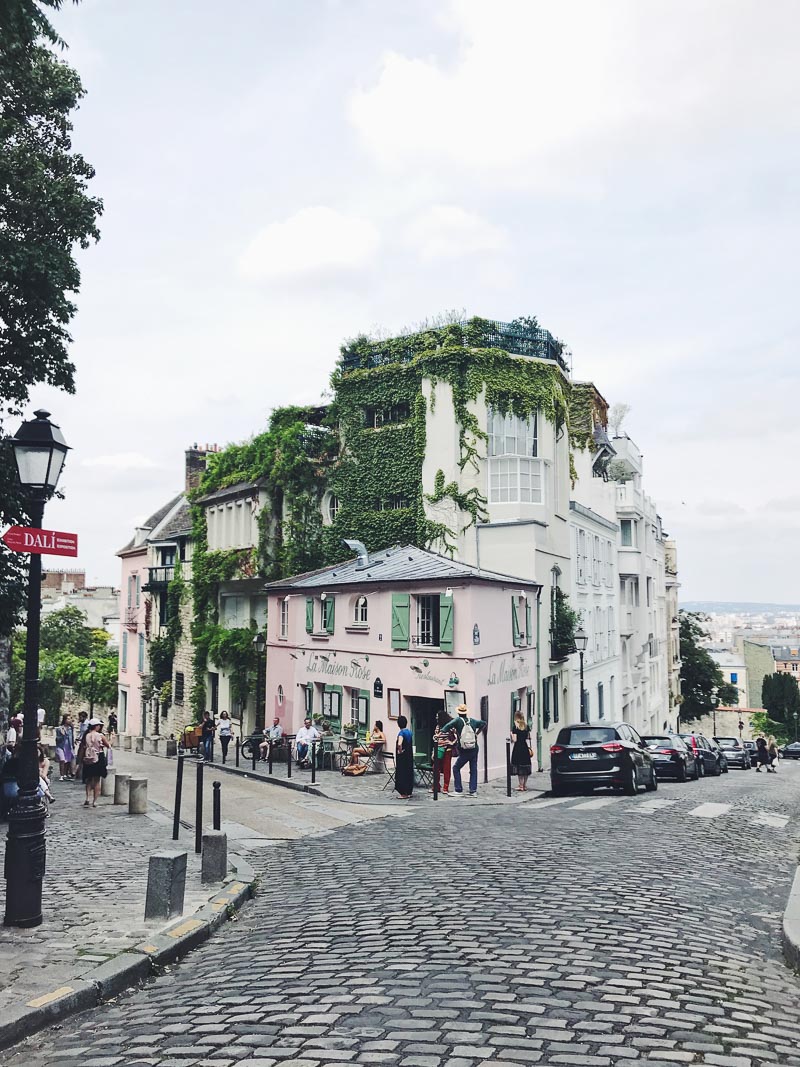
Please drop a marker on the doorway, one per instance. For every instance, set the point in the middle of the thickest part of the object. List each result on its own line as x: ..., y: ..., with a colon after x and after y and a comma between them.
x: 424, y: 714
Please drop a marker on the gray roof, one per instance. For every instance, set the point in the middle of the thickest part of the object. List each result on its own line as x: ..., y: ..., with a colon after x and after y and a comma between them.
x: 179, y: 522
x: 402, y: 563
x: 238, y: 489
x: 152, y: 522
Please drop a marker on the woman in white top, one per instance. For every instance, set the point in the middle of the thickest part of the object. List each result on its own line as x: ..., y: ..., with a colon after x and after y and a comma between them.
x: 224, y: 732
x: 94, y: 760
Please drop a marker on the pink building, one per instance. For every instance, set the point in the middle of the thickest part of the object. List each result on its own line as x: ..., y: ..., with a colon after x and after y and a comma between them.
x: 403, y: 632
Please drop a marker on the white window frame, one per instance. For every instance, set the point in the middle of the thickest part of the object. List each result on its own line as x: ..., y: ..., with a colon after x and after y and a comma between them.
x: 595, y: 559
x: 284, y: 630
x: 580, y: 552
x: 425, y: 626
x: 516, y: 473
x: 360, y: 611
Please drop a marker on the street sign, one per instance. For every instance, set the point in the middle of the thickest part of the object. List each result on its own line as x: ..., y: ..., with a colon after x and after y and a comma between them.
x: 41, y: 542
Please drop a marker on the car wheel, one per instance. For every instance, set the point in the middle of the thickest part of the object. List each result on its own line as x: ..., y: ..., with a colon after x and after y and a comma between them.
x: 696, y: 774
x: 726, y: 768
x: 682, y: 773
x: 652, y: 785
x: 632, y: 785
x: 701, y: 773
x: 717, y: 770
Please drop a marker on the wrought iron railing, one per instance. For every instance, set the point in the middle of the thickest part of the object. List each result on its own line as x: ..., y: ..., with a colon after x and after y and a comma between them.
x: 160, y: 576
x: 515, y: 338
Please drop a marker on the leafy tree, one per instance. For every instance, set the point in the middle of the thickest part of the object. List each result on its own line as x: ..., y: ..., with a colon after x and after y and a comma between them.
x: 780, y: 696
x: 45, y: 213
x: 702, y: 681
x: 762, y: 725
x: 66, y: 631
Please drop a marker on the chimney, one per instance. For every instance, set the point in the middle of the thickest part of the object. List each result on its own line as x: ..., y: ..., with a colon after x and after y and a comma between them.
x: 195, y: 466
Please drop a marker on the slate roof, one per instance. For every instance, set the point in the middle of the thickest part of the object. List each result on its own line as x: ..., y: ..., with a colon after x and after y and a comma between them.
x: 152, y: 522
x: 402, y: 563
x: 232, y: 490
x: 178, y: 522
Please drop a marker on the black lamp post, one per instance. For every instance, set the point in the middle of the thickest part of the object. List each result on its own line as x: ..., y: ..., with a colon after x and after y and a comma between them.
x: 92, y: 669
x: 581, y: 641
x: 259, y: 643
x: 795, y: 725
x: 39, y: 453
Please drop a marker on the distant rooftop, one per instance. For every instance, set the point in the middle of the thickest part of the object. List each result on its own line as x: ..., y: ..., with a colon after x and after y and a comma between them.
x: 516, y: 338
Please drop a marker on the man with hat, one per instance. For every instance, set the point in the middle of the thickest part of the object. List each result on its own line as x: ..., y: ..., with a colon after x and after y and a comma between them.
x: 467, y: 730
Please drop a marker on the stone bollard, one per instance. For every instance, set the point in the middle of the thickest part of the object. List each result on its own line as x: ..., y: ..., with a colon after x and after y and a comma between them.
x: 137, y: 796
x: 166, y: 884
x: 214, y: 862
x: 154, y: 743
x: 121, y: 782
x: 139, y: 743
x: 107, y: 786
x: 172, y: 747
x: 127, y: 742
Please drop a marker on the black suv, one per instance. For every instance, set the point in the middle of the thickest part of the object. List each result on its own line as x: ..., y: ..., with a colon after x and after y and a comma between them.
x: 607, y: 754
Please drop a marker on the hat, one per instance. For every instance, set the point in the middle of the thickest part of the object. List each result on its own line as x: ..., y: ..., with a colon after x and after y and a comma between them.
x: 95, y: 722
x: 462, y: 709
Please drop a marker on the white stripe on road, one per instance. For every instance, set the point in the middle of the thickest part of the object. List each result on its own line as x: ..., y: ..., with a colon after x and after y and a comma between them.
x: 600, y: 802
x: 647, y: 807
x: 548, y: 802
x: 769, y: 818
x: 710, y: 811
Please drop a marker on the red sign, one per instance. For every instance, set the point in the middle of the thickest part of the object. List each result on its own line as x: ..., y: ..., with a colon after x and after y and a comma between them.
x: 41, y: 542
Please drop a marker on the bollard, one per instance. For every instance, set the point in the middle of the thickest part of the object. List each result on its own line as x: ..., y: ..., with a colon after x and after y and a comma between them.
x: 288, y: 759
x: 139, y: 744
x: 176, y: 818
x: 269, y: 758
x: 172, y: 748
x: 137, y: 796
x: 107, y: 784
x: 127, y: 741
x: 216, y: 805
x: 214, y: 861
x: 254, y: 751
x: 198, y: 810
x: 121, y: 788
x: 154, y: 745
x: 211, y: 750
x: 238, y: 746
x: 166, y: 884
x: 313, y: 762
x: 435, y: 762
x: 508, y: 768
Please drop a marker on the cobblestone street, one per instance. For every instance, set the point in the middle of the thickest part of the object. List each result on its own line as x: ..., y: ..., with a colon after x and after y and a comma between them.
x: 591, y: 931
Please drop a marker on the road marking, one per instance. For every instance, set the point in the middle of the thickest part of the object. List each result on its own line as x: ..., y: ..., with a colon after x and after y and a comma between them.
x: 548, y: 802
x: 710, y: 811
x: 647, y: 807
x: 599, y: 802
x: 48, y: 998
x: 769, y: 818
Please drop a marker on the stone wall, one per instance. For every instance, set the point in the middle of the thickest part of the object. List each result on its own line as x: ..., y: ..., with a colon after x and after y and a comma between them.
x: 759, y: 662
x: 180, y: 715
x: 727, y: 723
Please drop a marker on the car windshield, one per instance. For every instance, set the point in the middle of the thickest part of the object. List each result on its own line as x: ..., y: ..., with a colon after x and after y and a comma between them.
x: 658, y: 742
x: 586, y: 736
x: 727, y: 742
x: 689, y: 738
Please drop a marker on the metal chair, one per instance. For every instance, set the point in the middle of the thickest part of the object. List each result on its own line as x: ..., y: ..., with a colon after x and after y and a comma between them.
x: 390, y: 767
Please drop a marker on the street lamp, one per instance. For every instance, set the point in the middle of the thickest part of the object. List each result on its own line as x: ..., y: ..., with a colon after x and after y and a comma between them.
x: 92, y: 669
x: 795, y: 725
x: 39, y: 453
x: 259, y: 643
x: 581, y: 641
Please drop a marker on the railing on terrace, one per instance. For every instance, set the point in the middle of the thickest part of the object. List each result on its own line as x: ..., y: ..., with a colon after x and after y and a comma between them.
x: 532, y: 341
x: 160, y: 576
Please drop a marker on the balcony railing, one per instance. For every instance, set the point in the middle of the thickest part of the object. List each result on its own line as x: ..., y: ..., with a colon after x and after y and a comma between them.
x: 159, y: 577
x: 513, y: 337
x: 629, y: 498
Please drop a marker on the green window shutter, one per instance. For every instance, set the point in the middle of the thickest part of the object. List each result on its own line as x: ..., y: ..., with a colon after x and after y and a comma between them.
x: 329, y: 616
x: 401, y: 619
x: 515, y: 623
x: 309, y: 614
x: 446, y: 623
x: 528, y: 624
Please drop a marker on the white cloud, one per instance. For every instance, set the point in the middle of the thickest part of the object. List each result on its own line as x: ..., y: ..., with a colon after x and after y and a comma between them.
x: 121, y: 461
x: 445, y: 230
x: 314, y: 241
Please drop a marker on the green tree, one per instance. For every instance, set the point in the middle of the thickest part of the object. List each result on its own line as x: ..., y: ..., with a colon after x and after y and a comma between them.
x: 45, y: 214
x: 65, y: 630
x: 702, y: 681
x: 780, y: 697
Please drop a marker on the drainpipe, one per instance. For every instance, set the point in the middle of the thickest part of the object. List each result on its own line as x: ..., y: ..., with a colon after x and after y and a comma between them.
x: 539, y: 681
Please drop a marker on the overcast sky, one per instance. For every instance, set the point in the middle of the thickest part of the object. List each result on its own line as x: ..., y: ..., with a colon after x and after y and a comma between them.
x: 280, y: 175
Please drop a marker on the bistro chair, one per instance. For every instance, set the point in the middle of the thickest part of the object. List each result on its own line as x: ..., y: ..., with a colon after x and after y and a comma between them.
x: 389, y: 767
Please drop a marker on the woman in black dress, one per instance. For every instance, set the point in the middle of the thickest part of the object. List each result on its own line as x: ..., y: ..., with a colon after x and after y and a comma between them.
x: 521, y: 752
x: 404, y: 760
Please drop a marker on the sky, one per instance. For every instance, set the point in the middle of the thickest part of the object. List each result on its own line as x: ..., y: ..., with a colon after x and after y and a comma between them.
x: 280, y: 176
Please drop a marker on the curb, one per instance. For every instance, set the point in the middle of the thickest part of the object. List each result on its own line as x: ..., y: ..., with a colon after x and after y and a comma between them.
x: 791, y: 925
x: 136, y: 965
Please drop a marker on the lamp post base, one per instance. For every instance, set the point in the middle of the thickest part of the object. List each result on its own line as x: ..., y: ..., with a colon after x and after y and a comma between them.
x: 25, y: 861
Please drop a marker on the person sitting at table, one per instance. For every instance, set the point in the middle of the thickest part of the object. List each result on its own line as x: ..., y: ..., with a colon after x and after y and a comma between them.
x: 377, y: 739
x: 305, y: 736
x: 271, y: 737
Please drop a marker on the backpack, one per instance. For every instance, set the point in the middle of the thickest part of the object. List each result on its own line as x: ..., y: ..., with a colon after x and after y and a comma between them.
x: 468, y: 739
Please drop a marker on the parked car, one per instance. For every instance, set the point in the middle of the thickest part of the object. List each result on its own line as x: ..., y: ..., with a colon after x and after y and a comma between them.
x: 750, y: 748
x: 791, y: 751
x: 609, y: 754
x: 672, y: 756
x: 710, y: 757
x: 736, y: 754
x: 721, y: 755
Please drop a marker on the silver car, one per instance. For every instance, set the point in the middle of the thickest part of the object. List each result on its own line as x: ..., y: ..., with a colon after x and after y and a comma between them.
x: 735, y: 752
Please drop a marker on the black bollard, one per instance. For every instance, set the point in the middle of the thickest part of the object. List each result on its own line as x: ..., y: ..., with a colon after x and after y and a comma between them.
x: 217, y: 805
x: 313, y: 762
x: 269, y: 757
x: 211, y: 750
x: 198, y: 811
x: 508, y: 768
x: 435, y: 762
x: 254, y: 750
x: 238, y: 746
x: 176, y: 819
x: 288, y: 759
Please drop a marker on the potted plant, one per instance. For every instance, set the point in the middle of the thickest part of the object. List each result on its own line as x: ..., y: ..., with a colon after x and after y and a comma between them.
x: 350, y: 729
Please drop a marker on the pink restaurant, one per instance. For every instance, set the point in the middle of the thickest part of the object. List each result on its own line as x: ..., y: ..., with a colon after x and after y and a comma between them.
x: 406, y: 632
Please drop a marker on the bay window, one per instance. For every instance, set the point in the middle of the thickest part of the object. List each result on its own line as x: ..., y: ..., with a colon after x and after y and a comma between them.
x: 515, y: 471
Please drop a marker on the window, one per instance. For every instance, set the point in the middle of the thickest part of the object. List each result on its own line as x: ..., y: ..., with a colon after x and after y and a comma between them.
x: 612, y: 649
x: 600, y: 701
x: 333, y: 508
x: 599, y: 633
x: 428, y: 620
x: 649, y: 592
x: 393, y: 502
x: 627, y: 529
x: 124, y: 650
x: 332, y: 704
x: 180, y: 683
x: 138, y: 589
x: 581, y: 554
x: 555, y: 698
x: 360, y: 611
x: 595, y: 561
x: 515, y: 472
x: 280, y: 694
x: 326, y: 615
x: 141, y: 653
x: 167, y: 556
x: 308, y: 700
x: 354, y: 698
x: 377, y: 417
x: 285, y: 617
x: 734, y: 677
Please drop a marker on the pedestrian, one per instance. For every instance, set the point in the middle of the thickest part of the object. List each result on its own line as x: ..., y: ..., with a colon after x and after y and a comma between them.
x: 762, y: 756
x: 445, y: 741
x: 272, y: 738
x: 83, y: 725
x: 521, y: 752
x: 44, y: 780
x: 207, y: 736
x: 113, y: 730
x: 403, y: 760
x: 65, y: 748
x: 93, y: 760
x: 41, y: 715
x: 14, y: 733
x: 772, y: 752
x: 467, y: 730
x: 225, y: 731
x: 304, y: 739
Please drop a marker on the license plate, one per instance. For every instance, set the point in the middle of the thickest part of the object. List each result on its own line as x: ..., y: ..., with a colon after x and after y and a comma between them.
x: 583, y: 755
x: 662, y: 759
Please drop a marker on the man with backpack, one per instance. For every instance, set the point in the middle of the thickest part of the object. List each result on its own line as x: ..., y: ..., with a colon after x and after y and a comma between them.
x: 467, y: 730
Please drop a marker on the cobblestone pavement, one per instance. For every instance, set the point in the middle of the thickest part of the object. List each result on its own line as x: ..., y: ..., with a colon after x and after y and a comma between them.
x: 588, y: 931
